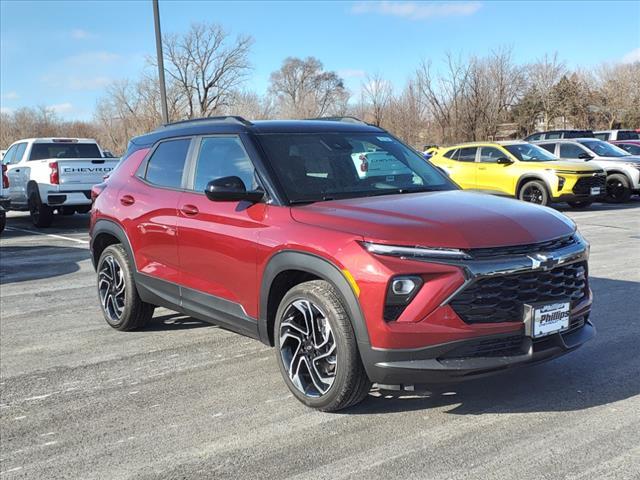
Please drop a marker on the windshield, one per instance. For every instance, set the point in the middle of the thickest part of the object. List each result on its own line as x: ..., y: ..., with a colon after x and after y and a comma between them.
x: 326, y: 166
x: 40, y: 151
x: 525, y: 152
x: 604, y: 149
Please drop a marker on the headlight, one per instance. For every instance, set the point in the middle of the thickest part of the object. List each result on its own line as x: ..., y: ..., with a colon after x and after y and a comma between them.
x: 416, y: 252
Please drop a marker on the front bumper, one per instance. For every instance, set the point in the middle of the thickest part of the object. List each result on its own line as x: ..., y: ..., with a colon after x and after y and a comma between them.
x: 465, y: 360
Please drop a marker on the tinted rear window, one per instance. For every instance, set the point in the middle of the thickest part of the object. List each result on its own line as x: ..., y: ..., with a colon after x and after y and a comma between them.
x: 166, y: 164
x: 578, y: 134
x: 628, y: 135
x: 40, y: 151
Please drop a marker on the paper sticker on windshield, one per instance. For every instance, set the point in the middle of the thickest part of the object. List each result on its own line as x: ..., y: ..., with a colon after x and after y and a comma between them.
x: 385, y: 139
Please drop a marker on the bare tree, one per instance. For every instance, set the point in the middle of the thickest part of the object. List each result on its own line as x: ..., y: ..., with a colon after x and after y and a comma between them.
x: 543, y: 76
x: 303, y: 89
x: 618, y: 93
x: 206, y: 66
x: 377, y: 92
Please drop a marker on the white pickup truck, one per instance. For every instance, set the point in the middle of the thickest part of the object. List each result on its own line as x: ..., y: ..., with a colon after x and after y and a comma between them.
x: 48, y: 175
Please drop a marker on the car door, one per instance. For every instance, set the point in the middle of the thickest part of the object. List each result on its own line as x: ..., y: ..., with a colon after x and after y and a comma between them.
x: 492, y: 176
x: 17, y: 172
x: 573, y: 151
x: 217, y: 240
x: 462, y: 167
x: 149, y: 205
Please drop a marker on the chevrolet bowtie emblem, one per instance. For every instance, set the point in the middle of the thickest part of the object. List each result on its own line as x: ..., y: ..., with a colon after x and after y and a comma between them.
x: 544, y: 262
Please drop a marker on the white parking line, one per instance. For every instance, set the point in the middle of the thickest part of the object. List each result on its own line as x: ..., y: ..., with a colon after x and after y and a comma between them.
x: 61, y: 237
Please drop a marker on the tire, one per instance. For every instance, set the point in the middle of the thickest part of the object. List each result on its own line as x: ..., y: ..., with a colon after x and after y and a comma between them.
x: 534, y: 191
x: 580, y: 204
x: 119, y: 300
x: 41, y: 214
x: 618, y: 188
x: 335, y: 354
x: 3, y: 220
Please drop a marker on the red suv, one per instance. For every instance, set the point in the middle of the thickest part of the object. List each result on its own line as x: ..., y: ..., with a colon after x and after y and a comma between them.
x: 356, y: 271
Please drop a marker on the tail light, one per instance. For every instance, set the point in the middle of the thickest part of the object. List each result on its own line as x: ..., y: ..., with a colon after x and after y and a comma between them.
x: 96, y: 190
x: 54, y: 177
x: 364, y: 166
x: 5, y: 178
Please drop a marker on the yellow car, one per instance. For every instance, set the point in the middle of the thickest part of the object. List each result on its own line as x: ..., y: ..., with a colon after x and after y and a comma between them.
x: 521, y: 170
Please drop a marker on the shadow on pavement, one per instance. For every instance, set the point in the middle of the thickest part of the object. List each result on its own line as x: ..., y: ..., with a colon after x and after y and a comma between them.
x: 634, y: 202
x: 62, y: 224
x: 173, y: 321
x: 21, y: 264
x: 601, y: 372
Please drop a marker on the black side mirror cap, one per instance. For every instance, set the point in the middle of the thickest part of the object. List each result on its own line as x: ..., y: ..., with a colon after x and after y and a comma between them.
x: 231, y: 189
x: 504, y: 161
x: 585, y: 156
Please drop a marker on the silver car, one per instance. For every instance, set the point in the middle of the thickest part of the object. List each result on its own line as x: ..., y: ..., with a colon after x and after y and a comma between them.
x: 623, y: 169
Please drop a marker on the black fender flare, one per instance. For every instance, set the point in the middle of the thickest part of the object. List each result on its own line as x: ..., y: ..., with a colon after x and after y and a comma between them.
x: 112, y: 228
x: 528, y: 177
x: 322, y: 268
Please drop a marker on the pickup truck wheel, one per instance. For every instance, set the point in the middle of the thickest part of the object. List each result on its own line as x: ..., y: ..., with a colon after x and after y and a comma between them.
x: 41, y: 214
x: 3, y: 220
x: 618, y: 189
x: 534, y: 191
x: 317, y: 350
x: 579, y: 203
x: 121, y: 305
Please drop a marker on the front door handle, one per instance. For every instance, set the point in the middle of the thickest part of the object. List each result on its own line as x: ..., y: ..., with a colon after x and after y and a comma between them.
x: 127, y: 200
x: 16, y: 170
x: 482, y: 168
x: 190, y: 210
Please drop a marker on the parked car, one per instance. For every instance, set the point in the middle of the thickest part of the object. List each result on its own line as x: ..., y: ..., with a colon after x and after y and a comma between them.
x: 623, y: 169
x: 610, y: 135
x: 521, y: 170
x: 551, y: 134
x: 267, y: 229
x: 54, y: 174
x: 4, y: 198
x: 630, y: 146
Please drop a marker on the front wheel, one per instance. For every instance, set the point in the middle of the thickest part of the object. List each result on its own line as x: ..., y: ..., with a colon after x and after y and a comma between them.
x: 121, y: 305
x: 579, y: 204
x: 317, y: 350
x: 618, y: 188
x: 534, y: 191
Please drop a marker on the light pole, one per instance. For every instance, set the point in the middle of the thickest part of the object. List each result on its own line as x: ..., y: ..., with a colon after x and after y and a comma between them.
x: 163, y: 89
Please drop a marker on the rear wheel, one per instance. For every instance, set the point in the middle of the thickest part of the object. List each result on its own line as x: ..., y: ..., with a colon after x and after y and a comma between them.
x: 534, y: 191
x: 121, y: 305
x: 41, y: 214
x: 317, y: 350
x: 580, y: 203
x: 618, y: 188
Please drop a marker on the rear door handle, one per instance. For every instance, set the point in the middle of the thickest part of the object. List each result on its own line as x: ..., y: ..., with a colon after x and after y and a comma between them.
x: 190, y: 210
x: 482, y: 168
x: 16, y: 170
x: 127, y: 200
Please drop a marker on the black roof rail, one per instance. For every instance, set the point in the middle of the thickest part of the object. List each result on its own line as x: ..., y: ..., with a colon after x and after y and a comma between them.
x: 345, y: 119
x: 221, y: 118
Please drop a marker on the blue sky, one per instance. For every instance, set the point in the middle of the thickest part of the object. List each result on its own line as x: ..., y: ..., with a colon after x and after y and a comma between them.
x: 63, y: 54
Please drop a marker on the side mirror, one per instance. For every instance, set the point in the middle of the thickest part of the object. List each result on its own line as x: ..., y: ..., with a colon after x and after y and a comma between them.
x: 231, y: 189
x: 504, y: 161
x: 585, y: 156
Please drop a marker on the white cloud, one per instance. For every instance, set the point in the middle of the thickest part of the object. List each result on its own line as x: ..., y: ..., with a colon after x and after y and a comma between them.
x: 11, y: 96
x: 416, y: 10
x: 351, y: 73
x: 632, y: 56
x: 61, y: 108
x: 80, y: 34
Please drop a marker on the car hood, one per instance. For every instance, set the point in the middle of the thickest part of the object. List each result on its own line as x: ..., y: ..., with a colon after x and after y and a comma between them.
x: 453, y: 219
x: 579, y: 166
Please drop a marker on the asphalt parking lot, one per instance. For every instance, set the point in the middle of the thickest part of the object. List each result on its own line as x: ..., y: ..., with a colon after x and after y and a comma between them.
x: 183, y: 399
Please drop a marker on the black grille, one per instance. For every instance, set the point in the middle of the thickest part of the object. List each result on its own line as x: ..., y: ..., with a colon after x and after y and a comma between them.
x: 583, y: 185
x: 502, y: 298
x: 480, y: 253
x: 492, y: 347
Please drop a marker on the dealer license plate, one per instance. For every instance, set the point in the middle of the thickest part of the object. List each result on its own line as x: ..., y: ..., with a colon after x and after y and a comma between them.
x: 550, y: 318
x: 595, y: 190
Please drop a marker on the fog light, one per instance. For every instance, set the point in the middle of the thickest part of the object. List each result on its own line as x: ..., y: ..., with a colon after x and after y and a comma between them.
x: 403, y: 286
x: 561, y: 181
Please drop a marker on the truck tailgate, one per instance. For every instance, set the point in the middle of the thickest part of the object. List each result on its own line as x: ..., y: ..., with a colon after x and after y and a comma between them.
x: 83, y: 172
